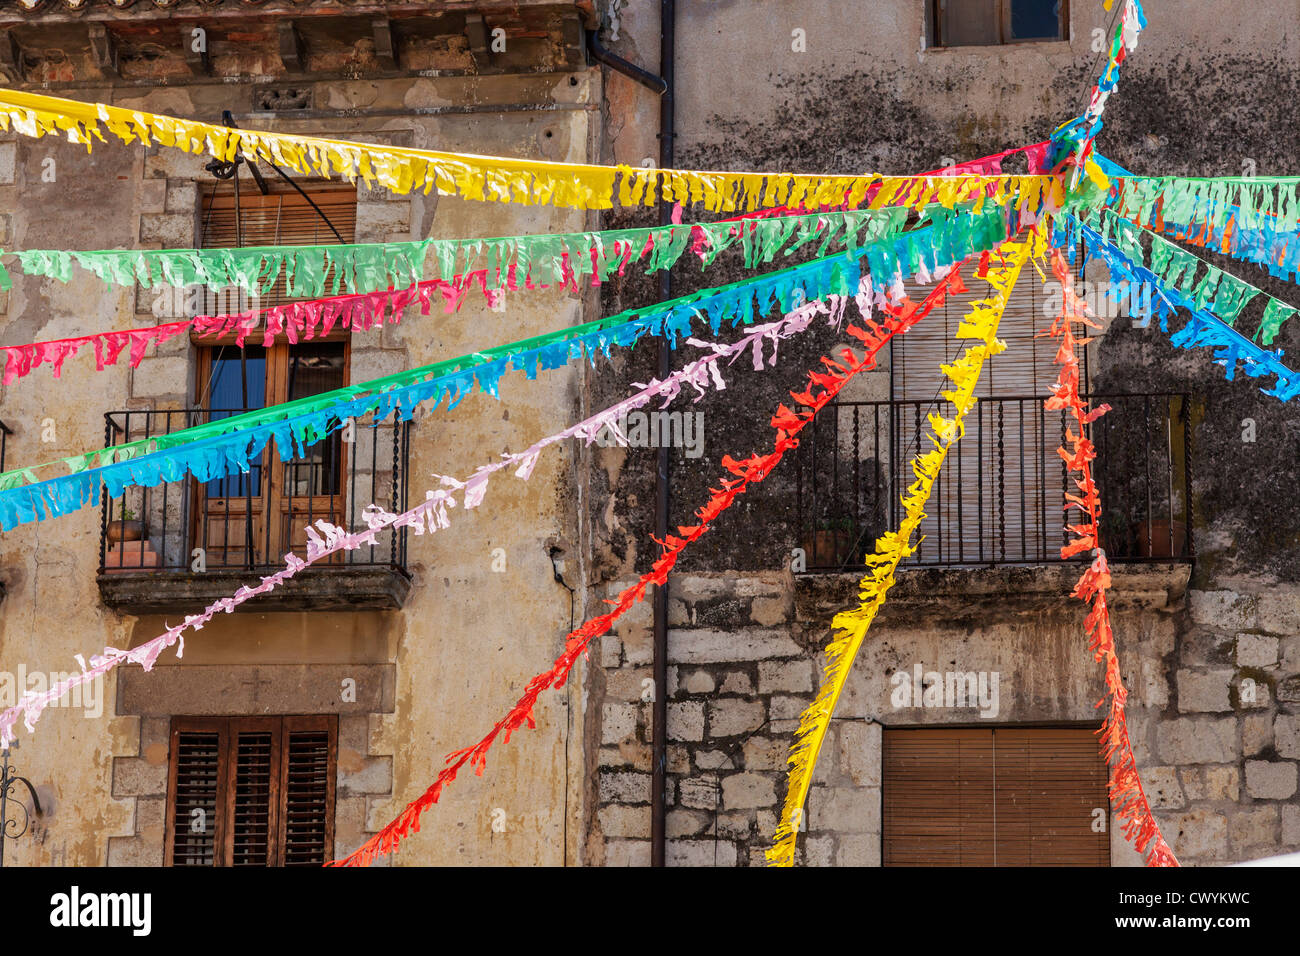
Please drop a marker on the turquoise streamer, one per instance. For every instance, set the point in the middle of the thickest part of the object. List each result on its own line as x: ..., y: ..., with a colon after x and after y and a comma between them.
x: 244, y: 437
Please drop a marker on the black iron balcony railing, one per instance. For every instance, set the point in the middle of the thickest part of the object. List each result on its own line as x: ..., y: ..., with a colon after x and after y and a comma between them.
x: 999, y: 498
x: 250, y: 521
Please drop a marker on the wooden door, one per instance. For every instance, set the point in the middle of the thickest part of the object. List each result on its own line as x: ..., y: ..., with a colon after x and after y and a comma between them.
x: 244, y: 520
x: 230, y: 513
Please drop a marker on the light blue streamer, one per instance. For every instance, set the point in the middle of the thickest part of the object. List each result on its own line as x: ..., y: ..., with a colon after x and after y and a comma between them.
x: 948, y: 240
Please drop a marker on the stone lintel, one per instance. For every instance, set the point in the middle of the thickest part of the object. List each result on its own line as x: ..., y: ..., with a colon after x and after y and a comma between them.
x: 241, y: 689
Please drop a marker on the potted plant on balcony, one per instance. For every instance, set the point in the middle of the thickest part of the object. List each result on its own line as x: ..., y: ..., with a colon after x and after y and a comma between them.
x: 830, y: 542
x: 128, y: 547
x: 128, y: 528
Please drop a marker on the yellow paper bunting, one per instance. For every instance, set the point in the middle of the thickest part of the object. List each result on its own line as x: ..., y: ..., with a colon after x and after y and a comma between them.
x: 981, y: 324
x: 492, y: 178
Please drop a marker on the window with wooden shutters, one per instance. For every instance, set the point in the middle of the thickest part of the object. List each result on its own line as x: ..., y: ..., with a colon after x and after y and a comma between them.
x: 991, y: 22
x: 998, y: 497
x: 249, y: 519
x: 251, y: 791
x: 1000, y: 796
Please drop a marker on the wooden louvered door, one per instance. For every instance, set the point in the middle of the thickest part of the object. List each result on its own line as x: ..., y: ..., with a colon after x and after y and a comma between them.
x: 251, y: 791
x: 1002, y: 796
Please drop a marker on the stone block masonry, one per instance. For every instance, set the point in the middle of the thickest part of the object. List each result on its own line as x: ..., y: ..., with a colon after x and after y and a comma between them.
x: 740, y: 673
x: 1231, y: 732
x: 1213, y: 716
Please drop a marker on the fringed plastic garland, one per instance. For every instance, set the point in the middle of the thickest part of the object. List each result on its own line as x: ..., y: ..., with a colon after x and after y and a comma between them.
x: 980, y: 324
x: 1127, y: 798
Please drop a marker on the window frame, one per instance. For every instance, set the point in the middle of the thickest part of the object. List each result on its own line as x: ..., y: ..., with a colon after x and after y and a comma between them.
x: 1002, y: 14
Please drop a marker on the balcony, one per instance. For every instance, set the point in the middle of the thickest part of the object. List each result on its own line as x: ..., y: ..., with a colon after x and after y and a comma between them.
x: 1000, y: 495
x: 181, y: 545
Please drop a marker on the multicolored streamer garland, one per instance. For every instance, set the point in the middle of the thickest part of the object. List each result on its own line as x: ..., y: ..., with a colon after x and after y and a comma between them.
x: 226, y: 445
x: 1203, y: 330
x: 565, y: 260
x: 980, y: 323
x: 492, y: 178
x: 1127, y: 799
x: 431, y: 514
x: 751, y: 470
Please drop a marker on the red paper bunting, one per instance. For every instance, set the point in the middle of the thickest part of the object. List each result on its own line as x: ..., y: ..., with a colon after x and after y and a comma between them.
x: 1128, y: 799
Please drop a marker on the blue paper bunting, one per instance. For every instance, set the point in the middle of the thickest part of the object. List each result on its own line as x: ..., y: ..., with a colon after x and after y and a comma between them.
x: 1204, y: 329
x: 947, y: 240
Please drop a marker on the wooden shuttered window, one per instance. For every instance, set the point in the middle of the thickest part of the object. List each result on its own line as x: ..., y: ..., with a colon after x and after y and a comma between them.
x: 282, y: 217
x: 1003, y: 796
x: 251, y: 791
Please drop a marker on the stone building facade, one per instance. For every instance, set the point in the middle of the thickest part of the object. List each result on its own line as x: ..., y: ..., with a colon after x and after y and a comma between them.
x: 404, y: 660
x: 1207, y: 642
x: 436, y: 655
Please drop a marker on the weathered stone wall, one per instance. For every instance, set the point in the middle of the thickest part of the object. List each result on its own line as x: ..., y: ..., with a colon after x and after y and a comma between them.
x: 869, y: 94
x: 1222, y: 762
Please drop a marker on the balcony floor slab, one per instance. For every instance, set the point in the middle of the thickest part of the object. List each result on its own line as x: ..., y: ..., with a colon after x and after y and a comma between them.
x: 314, y: 589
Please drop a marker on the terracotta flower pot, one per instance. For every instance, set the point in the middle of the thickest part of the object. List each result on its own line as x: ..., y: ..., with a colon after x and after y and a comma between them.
x: 1153, y: 538
x: 125, y: 531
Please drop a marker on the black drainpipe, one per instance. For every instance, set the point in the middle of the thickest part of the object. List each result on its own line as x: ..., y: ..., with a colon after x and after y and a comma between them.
x: 662, y: 85
x: 602, y: 54
x: 659, y: 752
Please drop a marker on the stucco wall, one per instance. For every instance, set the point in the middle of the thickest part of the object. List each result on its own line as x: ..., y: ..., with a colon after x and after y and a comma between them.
x: 468, y: 639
